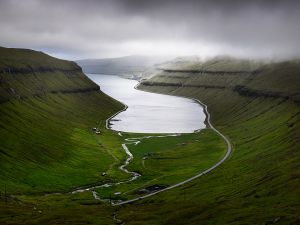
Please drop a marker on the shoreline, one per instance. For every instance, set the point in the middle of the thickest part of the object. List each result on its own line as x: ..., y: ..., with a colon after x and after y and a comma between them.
x: 226, y: 156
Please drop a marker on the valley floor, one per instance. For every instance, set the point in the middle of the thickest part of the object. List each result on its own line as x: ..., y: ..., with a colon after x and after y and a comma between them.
x: 169, y: 160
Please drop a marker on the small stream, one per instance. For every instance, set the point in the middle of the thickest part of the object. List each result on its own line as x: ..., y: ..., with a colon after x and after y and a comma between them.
x: 145, y: 113
x: 134, y: 175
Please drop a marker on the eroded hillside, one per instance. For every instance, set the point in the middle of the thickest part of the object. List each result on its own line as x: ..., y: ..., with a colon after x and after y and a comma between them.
x: 257, y: 108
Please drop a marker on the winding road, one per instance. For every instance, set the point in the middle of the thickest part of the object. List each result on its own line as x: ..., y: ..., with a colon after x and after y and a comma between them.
x: 228, y: 152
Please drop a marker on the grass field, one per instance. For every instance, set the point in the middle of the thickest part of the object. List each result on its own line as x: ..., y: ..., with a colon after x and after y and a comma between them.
x: 168, y: 160
x: 185, y: 155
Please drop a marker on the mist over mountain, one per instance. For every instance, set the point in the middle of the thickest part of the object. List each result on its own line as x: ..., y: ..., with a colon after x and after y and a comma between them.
x: 131, y: 66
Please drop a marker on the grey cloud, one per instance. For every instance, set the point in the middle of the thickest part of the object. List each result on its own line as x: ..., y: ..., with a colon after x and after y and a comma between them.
x: 107, y: 28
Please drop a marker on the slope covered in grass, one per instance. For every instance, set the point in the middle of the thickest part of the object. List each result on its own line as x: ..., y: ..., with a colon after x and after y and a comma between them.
x: 48, y: 107
x: 259, y: 184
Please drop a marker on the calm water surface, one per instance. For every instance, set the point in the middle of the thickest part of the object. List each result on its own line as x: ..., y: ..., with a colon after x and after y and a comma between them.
x: 149, y: 112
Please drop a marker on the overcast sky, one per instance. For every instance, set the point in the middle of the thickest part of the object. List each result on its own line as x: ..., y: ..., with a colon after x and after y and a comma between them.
x: 76, y: 29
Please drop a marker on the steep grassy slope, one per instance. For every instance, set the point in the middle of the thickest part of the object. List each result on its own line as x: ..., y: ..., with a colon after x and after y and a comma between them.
x: 259, y: 111
x: 47, y: 109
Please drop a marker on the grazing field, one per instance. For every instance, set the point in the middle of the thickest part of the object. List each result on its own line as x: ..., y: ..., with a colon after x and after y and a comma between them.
x: 184, y: 155
x: 166, y: 160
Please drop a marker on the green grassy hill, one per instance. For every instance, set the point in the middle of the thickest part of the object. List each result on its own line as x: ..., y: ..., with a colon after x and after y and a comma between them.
x: 258, y: 110
x: 47, y: 109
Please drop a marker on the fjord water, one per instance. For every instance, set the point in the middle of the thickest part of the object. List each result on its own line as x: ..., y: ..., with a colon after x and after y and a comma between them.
x: 150, y: 112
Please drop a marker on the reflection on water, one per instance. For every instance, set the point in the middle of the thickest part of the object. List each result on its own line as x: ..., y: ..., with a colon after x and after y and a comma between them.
x: 149, y: 112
